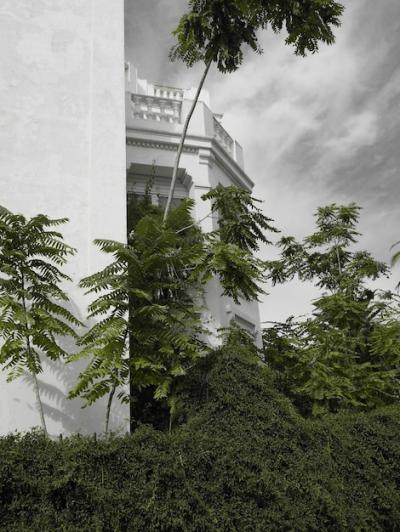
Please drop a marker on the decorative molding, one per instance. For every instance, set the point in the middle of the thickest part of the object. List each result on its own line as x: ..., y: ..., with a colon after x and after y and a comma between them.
x: 206, y: 157
x: 223, y: 138
x: 231, y: 167
x: 157, y: 108
x: 159, y: 145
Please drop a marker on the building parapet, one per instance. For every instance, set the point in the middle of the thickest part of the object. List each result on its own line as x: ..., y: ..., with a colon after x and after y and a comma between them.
x: 168, y: 105
x: 168, y: 92
x: 156, y: 108
x: 223, y: 138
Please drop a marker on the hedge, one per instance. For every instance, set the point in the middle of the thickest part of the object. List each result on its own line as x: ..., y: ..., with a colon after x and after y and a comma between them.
x: 241, y: 459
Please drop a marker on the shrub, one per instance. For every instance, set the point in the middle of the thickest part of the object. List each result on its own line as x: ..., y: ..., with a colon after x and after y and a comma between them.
x: 240, y: 459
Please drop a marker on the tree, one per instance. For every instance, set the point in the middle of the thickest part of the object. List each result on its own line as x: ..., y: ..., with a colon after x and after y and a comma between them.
x: 147, y: 310
x: 151, y: 330
x: 348, y: 353
x: 217, y: 30
x: 32, y: 305
x: 241, y: 230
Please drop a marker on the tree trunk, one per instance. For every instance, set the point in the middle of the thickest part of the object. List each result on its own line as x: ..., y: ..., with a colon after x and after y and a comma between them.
x: 338, y: 259
x: 182, y: 142
x: 39, y: 403
x: 29, y: 349
x: 110, y: 400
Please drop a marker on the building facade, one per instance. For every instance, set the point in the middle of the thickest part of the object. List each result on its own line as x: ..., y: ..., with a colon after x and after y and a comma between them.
x: 62, y: 153
x: 154, y: 121
x: 77, y: 134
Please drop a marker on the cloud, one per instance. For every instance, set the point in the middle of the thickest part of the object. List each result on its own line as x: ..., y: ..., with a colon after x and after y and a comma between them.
x: 148, y: 38
x: 314, y: 131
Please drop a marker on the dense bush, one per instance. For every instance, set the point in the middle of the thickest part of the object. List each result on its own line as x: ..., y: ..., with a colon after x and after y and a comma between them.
x: 241, y: 458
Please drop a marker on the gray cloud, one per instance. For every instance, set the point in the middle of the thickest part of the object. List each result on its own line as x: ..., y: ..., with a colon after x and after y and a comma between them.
x: 148, y: 27
x: 315, y: 131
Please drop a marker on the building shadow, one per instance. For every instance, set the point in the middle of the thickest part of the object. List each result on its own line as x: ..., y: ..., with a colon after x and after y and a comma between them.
x: 70, y: 416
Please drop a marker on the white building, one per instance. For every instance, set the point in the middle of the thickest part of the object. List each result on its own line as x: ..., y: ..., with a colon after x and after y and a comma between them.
x: 154, y: 123
x: 65, y: 137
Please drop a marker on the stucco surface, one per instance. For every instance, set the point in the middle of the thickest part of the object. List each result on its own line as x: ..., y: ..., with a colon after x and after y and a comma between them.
x: 62, y: 152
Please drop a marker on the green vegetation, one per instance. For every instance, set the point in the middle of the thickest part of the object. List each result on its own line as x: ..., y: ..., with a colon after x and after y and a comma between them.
x: 150, y: 328
x: 303, y: 436
x: 216, y: 31
x: 241, y: 458
x: 347, y: 354
x: 33, y: 316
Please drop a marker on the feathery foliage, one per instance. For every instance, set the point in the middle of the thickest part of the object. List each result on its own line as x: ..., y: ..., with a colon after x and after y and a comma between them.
x: 216, y: 30
x: 148, y: 298
x: 240, y: 221
x: 32, y: 305
x: 241, y: 229
x: 150, y: 329
x: 348, y: 353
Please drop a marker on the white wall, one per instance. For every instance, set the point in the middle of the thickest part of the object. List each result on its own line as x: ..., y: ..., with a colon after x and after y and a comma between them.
x: 62, y: 152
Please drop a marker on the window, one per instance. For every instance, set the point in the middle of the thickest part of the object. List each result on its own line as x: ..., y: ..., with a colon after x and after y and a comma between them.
x: 162, y: 201
x: 248, y: 326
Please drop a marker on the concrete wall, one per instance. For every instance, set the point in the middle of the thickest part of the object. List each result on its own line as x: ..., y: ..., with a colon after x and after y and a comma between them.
x: 62, y: 152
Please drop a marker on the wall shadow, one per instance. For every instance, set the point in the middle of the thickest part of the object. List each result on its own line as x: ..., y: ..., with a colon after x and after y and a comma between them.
x: 69, y: 414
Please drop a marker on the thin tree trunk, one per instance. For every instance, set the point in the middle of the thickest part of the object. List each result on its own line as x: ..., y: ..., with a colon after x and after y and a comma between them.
x: 35, y: 381
x: 110, y: 400
x: 39, y: 403
x: 182, y: 141
x: 338, y: 259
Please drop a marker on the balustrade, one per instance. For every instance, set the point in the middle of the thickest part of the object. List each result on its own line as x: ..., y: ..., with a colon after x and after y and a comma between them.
x: 168, y: 92
x: 156, y: 108
x: 222, y: 137
x: 166, y: 107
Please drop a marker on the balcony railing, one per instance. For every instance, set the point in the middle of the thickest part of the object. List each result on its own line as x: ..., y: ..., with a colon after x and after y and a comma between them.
x: 156, y: 108
x: 222, y: 137
x: 169, y: 110
x: 171, y: 93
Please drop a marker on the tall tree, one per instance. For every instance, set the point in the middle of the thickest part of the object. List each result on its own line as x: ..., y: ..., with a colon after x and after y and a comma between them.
x: 217, y: 31
x: 150, y: 327
x: 348, y: 353
x: 33, y: 316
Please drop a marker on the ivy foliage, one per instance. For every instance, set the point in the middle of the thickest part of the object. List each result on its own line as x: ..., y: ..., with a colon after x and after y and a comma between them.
x: 347, y: 354
x: 242, y: 460
x: 216, y: 30
x: 33, y: 313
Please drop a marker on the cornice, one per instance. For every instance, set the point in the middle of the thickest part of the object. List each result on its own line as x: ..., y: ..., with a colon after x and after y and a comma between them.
x: 230, y: 166
x: 160, y: 145
x: 209, y: 150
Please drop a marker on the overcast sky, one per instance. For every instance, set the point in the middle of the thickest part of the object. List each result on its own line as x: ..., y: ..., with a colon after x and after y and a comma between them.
x: 314, y: 131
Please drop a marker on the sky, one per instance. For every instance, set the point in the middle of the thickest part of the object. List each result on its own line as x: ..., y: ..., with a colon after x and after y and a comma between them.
x: 314, y: 131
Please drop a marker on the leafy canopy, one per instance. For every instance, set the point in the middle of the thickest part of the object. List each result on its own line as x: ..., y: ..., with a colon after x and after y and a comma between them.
x: 146, y: 309
x: 216, y: 30
x: 32, y: 304
x: 33, y: 316
x: 348, y: 353
x: 150, y: 332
